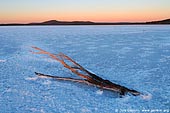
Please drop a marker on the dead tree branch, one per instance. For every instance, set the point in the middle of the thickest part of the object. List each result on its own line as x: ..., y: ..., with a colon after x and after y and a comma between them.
x: 88, y: 77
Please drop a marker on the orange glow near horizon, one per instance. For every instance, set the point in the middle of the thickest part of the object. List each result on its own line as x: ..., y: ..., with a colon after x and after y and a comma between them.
x: 95, y: 18
x: 83, y: 10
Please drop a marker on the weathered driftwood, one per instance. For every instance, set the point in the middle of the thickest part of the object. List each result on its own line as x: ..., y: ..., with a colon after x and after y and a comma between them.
x: 88, y: 77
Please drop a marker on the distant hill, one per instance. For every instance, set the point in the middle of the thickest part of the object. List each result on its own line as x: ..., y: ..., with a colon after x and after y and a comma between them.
x: 166, y: 21
x: 55, y: 22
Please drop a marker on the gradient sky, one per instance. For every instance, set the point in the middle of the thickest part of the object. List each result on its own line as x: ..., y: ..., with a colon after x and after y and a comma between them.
x: 25, y: 11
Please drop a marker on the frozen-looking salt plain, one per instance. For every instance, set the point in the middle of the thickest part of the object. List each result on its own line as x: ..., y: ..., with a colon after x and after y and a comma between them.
x: 137, y: 57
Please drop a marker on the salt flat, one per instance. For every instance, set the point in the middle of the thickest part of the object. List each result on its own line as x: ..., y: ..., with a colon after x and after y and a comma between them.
x: 134, y: 56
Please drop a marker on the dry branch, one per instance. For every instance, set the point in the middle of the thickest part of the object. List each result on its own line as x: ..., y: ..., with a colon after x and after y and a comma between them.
x: 88, y: 77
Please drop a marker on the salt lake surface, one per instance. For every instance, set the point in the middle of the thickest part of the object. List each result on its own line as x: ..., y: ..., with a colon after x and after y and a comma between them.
x: 137, y: 57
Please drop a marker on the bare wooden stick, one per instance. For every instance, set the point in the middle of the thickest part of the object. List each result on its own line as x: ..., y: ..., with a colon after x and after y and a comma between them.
x: 74, y: 80
x: 88, y: 78
x: 62, y: 78
x: 60, y: 57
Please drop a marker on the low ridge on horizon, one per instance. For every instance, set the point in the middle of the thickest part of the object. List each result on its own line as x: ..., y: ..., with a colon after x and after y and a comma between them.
x: 56, y: 22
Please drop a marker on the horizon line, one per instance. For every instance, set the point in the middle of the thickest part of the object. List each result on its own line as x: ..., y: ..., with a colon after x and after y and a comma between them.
x: 84, y: 21
x: 77, y: 22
